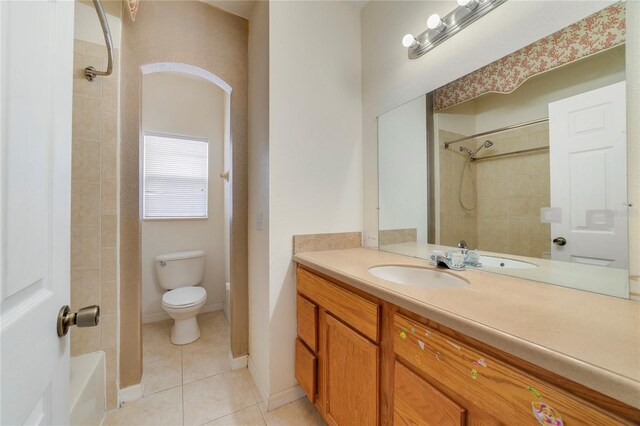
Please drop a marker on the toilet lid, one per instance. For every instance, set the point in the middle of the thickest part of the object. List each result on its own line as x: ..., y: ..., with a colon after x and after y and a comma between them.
x: 184, y: 296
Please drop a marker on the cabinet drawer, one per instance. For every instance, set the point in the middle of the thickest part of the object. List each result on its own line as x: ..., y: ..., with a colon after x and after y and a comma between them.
x: 354, y: 310
x: 307, y: 320
x: 306, y: 370
x: 502, y: 391
x: 416, y: 402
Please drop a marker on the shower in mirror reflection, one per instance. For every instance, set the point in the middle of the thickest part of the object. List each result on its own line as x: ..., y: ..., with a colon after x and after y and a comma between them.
x: 471, y: 155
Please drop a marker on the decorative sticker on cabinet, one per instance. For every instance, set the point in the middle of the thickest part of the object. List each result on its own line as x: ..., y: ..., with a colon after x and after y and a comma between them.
x: 534, y: 392
x: 482, y: 362
x: 474, y: 374
x: 413, y: 330
x: 403, y: 335
x: 418, y: 360
x: 426, y: 333
x: 546, y: 415
x: 421, y: 344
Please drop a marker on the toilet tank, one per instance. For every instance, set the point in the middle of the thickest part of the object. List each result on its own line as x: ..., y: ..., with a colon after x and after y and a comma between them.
x: 180, y: 269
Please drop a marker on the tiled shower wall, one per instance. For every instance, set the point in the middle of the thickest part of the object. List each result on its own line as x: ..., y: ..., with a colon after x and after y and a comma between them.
x: 94, y: 213
x: 456, y: 223
x: 511, y: 190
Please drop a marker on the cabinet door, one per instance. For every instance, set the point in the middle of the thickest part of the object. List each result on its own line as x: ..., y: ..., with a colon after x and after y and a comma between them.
x: 306, y: 369
x: 416, y: 402
x: 351, y: 376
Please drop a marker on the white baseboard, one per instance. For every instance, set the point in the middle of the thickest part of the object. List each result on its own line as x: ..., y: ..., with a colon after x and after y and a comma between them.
x: 161, y: 316
x: 264, y: 395
x: 131, y: 393
x: 238, y: 362
x: 279, y: 399
x: 285, y: 397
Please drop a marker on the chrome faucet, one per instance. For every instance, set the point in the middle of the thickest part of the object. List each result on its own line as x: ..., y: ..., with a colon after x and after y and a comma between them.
x: 445, y: 262
x: 462, y: 244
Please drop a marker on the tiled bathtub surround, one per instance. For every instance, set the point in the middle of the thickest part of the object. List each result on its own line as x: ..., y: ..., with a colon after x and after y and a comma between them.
x: 455, y: 223
x: 511, y: 190
x: 94, y: 207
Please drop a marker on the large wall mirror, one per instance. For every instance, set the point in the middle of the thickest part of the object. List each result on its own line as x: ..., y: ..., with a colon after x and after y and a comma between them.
x: 524, y: 160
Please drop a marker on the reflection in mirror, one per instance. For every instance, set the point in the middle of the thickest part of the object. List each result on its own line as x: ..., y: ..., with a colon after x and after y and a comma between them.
x: 403, y: 153
x: 534, y: 177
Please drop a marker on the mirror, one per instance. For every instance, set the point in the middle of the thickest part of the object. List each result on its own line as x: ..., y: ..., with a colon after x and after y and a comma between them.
x: 534, y: 178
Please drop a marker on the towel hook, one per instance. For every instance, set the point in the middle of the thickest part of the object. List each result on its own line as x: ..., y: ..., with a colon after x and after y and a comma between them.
x: 90, y: 73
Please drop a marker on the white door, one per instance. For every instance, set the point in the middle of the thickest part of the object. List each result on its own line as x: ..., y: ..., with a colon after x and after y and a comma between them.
x: 36, y: 47
x: 588, y: 156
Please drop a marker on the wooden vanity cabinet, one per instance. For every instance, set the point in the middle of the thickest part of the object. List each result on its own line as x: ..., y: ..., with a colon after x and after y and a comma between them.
x: 346, y: 352
x: 364, y: 361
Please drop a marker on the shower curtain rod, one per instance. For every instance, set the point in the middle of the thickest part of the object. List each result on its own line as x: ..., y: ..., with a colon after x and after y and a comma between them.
x: 90, y: 73
x: 521, y: 151
x: 492, y: 132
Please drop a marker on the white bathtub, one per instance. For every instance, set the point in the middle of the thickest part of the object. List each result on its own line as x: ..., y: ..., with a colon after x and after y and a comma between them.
x: 88, y: 389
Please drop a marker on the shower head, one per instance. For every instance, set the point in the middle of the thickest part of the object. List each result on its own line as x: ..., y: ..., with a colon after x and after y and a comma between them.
x: 486, y: 144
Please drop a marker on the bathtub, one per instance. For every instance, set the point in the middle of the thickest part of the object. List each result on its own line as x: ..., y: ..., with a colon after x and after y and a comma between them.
x: 88, y: 389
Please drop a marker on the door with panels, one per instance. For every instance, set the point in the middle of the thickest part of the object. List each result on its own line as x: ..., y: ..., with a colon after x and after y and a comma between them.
x: 36, y: 46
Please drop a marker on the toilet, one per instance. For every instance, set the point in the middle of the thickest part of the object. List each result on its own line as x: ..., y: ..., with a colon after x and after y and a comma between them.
x: 181, y: 273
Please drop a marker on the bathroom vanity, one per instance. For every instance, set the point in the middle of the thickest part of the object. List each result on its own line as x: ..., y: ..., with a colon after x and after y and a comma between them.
x: 498, y: 351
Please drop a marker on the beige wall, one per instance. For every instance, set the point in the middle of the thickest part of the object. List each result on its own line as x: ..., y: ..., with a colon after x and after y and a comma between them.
x: 193, y: 33
x: 185, y: 105
x: 94, y: 208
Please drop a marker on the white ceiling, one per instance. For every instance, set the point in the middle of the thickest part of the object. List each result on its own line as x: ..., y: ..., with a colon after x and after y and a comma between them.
x: 243, y: 7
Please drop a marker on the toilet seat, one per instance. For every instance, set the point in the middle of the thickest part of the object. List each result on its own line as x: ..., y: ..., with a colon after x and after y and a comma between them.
x: 184, y: 297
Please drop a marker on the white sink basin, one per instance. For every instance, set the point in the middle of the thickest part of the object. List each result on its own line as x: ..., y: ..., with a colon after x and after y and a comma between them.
x: 501, y: 262
x: 417, y: 277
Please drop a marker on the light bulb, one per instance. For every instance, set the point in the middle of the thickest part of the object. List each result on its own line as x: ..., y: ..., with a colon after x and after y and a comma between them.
x: 435, y: 23
x: 468, y: 4
x: 409, y: 40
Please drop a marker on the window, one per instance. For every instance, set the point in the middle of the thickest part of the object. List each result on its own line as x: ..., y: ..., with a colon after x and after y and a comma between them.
x: 175, y: 177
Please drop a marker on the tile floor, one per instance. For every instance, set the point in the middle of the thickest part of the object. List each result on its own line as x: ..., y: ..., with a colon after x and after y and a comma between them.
x: 193, y: 384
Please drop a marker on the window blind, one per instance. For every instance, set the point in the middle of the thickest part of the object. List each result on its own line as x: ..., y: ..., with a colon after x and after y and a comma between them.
x: 175, y: 177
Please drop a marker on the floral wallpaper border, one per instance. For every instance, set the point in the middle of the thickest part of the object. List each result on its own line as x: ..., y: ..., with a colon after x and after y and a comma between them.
x: 600, y: 31
x: 133, y: 8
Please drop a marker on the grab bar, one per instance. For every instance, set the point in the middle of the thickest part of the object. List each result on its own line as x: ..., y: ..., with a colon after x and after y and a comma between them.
x: 90, y: 73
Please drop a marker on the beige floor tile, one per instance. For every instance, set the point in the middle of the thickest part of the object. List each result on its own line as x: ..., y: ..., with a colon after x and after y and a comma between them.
x: 250, y: 416
x: 204, y: 360
x: 156, y: 342
x: 215, y: 397
x: 162, y: 408
x: 213, y: 322
x: 165, y: 373
x: 300, y: 413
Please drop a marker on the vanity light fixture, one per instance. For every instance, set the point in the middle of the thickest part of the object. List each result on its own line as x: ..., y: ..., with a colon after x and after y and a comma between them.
x: 439, y: 29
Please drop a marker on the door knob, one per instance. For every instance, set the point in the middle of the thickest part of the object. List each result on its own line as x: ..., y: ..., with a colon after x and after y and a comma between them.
x: 89, y: 316
x: 560, y: 241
